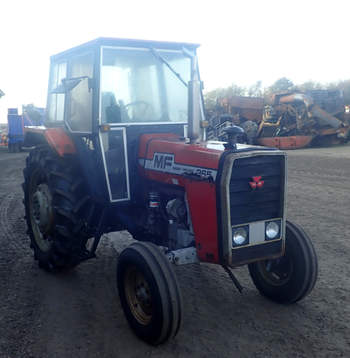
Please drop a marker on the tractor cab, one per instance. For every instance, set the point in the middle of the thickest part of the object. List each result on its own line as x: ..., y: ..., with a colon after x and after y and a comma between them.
x: 116, y: 90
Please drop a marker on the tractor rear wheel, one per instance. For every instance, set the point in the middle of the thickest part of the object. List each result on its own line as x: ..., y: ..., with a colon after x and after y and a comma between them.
x: 55, y: 203
x: 291, y: 277
x: 149, y: 293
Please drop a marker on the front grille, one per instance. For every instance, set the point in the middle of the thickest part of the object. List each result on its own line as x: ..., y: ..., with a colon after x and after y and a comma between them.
x: 248, y: 205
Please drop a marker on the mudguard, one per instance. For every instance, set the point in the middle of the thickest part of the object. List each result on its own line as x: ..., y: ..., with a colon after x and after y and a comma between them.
x: 56, y: 138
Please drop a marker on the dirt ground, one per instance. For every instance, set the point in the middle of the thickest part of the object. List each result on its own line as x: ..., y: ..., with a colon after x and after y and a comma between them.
x: 78, y: 314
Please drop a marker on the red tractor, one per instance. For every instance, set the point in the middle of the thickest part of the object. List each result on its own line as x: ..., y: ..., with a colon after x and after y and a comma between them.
x: 123, y: 149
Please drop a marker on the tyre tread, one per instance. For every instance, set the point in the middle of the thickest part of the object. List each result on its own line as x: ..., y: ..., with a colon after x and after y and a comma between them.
x: 67, y: 248
x: 167, y: 285
x: 308, y: 253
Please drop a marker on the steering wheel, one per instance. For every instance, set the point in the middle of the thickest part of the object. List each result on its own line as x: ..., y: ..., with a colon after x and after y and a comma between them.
x: 141, y: 109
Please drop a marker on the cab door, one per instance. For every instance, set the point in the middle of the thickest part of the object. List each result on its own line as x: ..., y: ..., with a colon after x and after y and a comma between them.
x: 115, y: 160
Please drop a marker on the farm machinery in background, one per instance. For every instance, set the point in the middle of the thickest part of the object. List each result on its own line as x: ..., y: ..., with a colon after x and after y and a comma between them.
x: 285, y: 121
x: 3, y: 135
x: 17, y: 123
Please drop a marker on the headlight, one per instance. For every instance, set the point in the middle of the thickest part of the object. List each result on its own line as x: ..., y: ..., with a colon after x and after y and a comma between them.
x: 239, y: 236
x: 272, y: 230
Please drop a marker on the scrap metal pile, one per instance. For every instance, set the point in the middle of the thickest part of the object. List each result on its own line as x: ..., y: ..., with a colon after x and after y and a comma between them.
x: 288, y: 120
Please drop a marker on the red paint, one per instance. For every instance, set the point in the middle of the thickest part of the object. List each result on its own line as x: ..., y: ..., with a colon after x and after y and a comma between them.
x: 252, y: 185
x: 147, y: 138
x: 292, y: 142
x: 59, y: 140
x: 260, y: 184
x: 190, y: 154
x: 201, y: 195
x: 256, y: 183
x: 202, y: 202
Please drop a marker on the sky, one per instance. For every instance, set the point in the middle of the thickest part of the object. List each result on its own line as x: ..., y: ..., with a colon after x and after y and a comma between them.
x: 242, y: 41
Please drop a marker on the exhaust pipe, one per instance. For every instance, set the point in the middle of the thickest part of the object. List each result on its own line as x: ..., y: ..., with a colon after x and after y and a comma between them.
x: 195, y: 105
x: 194, y: 111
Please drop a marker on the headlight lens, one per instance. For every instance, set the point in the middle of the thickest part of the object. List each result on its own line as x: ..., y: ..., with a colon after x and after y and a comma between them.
x: 272, y: 230
x: 239, y: 236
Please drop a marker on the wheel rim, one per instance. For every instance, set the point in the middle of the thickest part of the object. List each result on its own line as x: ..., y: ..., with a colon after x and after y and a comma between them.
x: 40, y: 210
x: 277, y: 272
x: 138, y: 295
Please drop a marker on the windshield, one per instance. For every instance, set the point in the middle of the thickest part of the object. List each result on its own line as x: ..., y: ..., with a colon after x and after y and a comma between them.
x: 138, y: 87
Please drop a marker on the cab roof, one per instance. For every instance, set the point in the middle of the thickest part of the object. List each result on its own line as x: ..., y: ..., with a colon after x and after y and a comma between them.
x: 116, y: 42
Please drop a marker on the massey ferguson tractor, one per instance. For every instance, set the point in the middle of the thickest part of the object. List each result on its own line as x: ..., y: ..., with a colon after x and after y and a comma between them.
x: 123, y: 148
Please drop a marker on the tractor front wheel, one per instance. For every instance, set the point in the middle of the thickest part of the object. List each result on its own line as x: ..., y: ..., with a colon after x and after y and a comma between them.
x: 149, y: 293
x: 291, y: 277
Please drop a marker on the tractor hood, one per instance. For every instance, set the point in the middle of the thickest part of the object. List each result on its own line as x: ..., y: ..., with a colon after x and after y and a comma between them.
x: 198, y: 169
x: 170, y: 154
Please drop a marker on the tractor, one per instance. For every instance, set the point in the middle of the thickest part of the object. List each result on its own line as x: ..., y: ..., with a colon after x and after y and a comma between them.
x: 123, y: 148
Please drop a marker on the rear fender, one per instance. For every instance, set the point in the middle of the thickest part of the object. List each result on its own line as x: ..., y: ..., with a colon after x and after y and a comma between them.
x: 56, y: 138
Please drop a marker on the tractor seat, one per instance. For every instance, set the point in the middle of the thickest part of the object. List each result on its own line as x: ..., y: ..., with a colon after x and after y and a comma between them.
x: 110, y: 111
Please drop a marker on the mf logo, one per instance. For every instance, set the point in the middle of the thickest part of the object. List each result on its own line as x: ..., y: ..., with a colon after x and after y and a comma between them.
x: 256, y: 183
x: 163, y: 161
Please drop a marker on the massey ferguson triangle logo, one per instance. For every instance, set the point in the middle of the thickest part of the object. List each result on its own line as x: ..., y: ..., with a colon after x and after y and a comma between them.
x: 256, y: 183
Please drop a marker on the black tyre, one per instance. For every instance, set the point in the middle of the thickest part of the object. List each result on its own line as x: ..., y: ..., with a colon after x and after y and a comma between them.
x: 149, y: 293
x: 55, y: 206
x: 292, y: 277
x: 10, y: 147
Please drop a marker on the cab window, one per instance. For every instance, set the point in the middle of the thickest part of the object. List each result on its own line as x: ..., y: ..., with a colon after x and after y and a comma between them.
x: 137, y: 87
x: 56, y: 101
x: 79, y: 98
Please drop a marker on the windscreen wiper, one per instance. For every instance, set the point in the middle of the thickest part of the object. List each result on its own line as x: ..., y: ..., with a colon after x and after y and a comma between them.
x: 166, y: 63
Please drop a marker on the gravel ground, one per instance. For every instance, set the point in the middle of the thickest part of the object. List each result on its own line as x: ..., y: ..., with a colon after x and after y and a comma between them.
x: 78, y: 314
